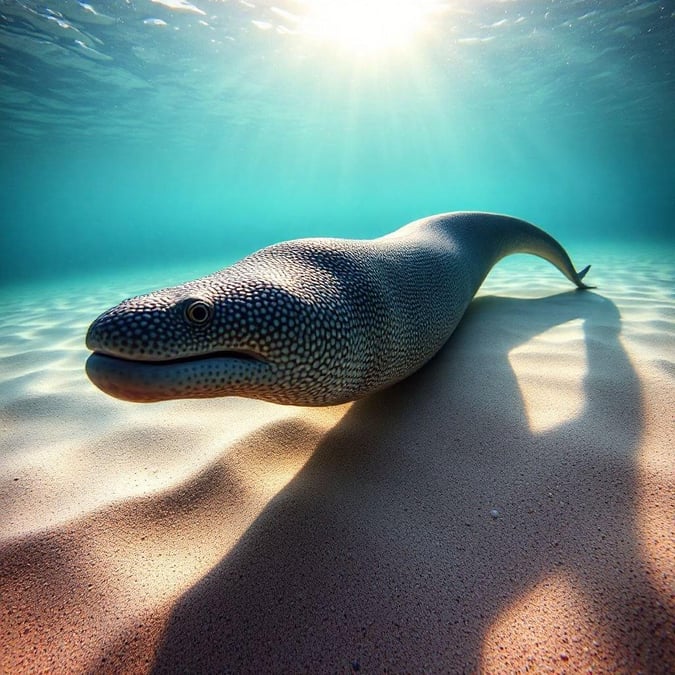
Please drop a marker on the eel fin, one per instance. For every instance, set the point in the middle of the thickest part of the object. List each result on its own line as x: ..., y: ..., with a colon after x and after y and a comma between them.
x: 581, y: 274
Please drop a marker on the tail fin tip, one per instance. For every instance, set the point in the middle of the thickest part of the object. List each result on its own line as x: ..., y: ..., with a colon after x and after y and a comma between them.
x: 581, y: 274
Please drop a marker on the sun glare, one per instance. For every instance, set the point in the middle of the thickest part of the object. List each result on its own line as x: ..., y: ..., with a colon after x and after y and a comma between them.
x: 366, y: 26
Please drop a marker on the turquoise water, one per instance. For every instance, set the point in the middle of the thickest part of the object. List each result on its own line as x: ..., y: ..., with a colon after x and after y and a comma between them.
x: 146, y: 142
x: 151, y: 133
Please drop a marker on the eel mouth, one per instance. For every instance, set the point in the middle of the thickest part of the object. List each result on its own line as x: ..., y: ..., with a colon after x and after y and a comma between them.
x: 240, y: 354
x: 218, y: 373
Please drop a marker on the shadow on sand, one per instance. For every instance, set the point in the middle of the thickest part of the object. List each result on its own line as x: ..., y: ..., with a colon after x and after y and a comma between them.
x: 382, y: 552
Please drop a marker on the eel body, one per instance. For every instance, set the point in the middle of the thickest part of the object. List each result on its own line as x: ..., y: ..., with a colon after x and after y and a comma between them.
x: 310, y: 321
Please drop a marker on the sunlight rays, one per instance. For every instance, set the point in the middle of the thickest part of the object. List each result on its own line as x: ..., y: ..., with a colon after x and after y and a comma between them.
x: 367, y: 27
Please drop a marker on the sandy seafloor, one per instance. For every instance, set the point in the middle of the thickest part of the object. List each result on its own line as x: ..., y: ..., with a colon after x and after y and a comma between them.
x: 509, y: 508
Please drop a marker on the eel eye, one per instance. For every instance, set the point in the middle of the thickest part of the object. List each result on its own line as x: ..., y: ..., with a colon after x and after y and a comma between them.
x: 198, y: 312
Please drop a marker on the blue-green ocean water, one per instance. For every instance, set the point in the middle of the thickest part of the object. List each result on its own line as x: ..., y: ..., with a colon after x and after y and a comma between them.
x: 505, y: 509
x: 150, y: 133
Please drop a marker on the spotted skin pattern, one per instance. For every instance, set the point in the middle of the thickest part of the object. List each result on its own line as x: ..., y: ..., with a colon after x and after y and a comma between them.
x: 310, y: 321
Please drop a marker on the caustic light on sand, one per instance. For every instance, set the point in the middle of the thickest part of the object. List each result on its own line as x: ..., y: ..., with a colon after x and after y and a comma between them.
x: 367, y: 25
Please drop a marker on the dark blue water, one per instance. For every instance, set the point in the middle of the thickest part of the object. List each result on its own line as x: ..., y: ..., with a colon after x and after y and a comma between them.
x: 141, y: 134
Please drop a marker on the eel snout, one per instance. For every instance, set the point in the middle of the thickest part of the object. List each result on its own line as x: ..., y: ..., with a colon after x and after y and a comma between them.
x: 152, y: 351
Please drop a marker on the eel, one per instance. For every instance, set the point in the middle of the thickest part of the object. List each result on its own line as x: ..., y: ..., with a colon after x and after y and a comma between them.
x: 310, y: 322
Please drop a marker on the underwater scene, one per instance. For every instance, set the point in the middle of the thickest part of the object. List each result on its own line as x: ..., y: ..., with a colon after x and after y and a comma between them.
x: 366, y: 450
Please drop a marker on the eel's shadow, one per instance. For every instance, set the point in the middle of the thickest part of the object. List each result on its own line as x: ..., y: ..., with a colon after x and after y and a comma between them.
x: 383, y: 550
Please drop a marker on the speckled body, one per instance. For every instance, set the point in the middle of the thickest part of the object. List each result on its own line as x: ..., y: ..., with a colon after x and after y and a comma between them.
x: 312, y: 321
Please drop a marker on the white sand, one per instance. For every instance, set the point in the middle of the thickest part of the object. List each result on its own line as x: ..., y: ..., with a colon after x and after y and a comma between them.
x: 508, y: 508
